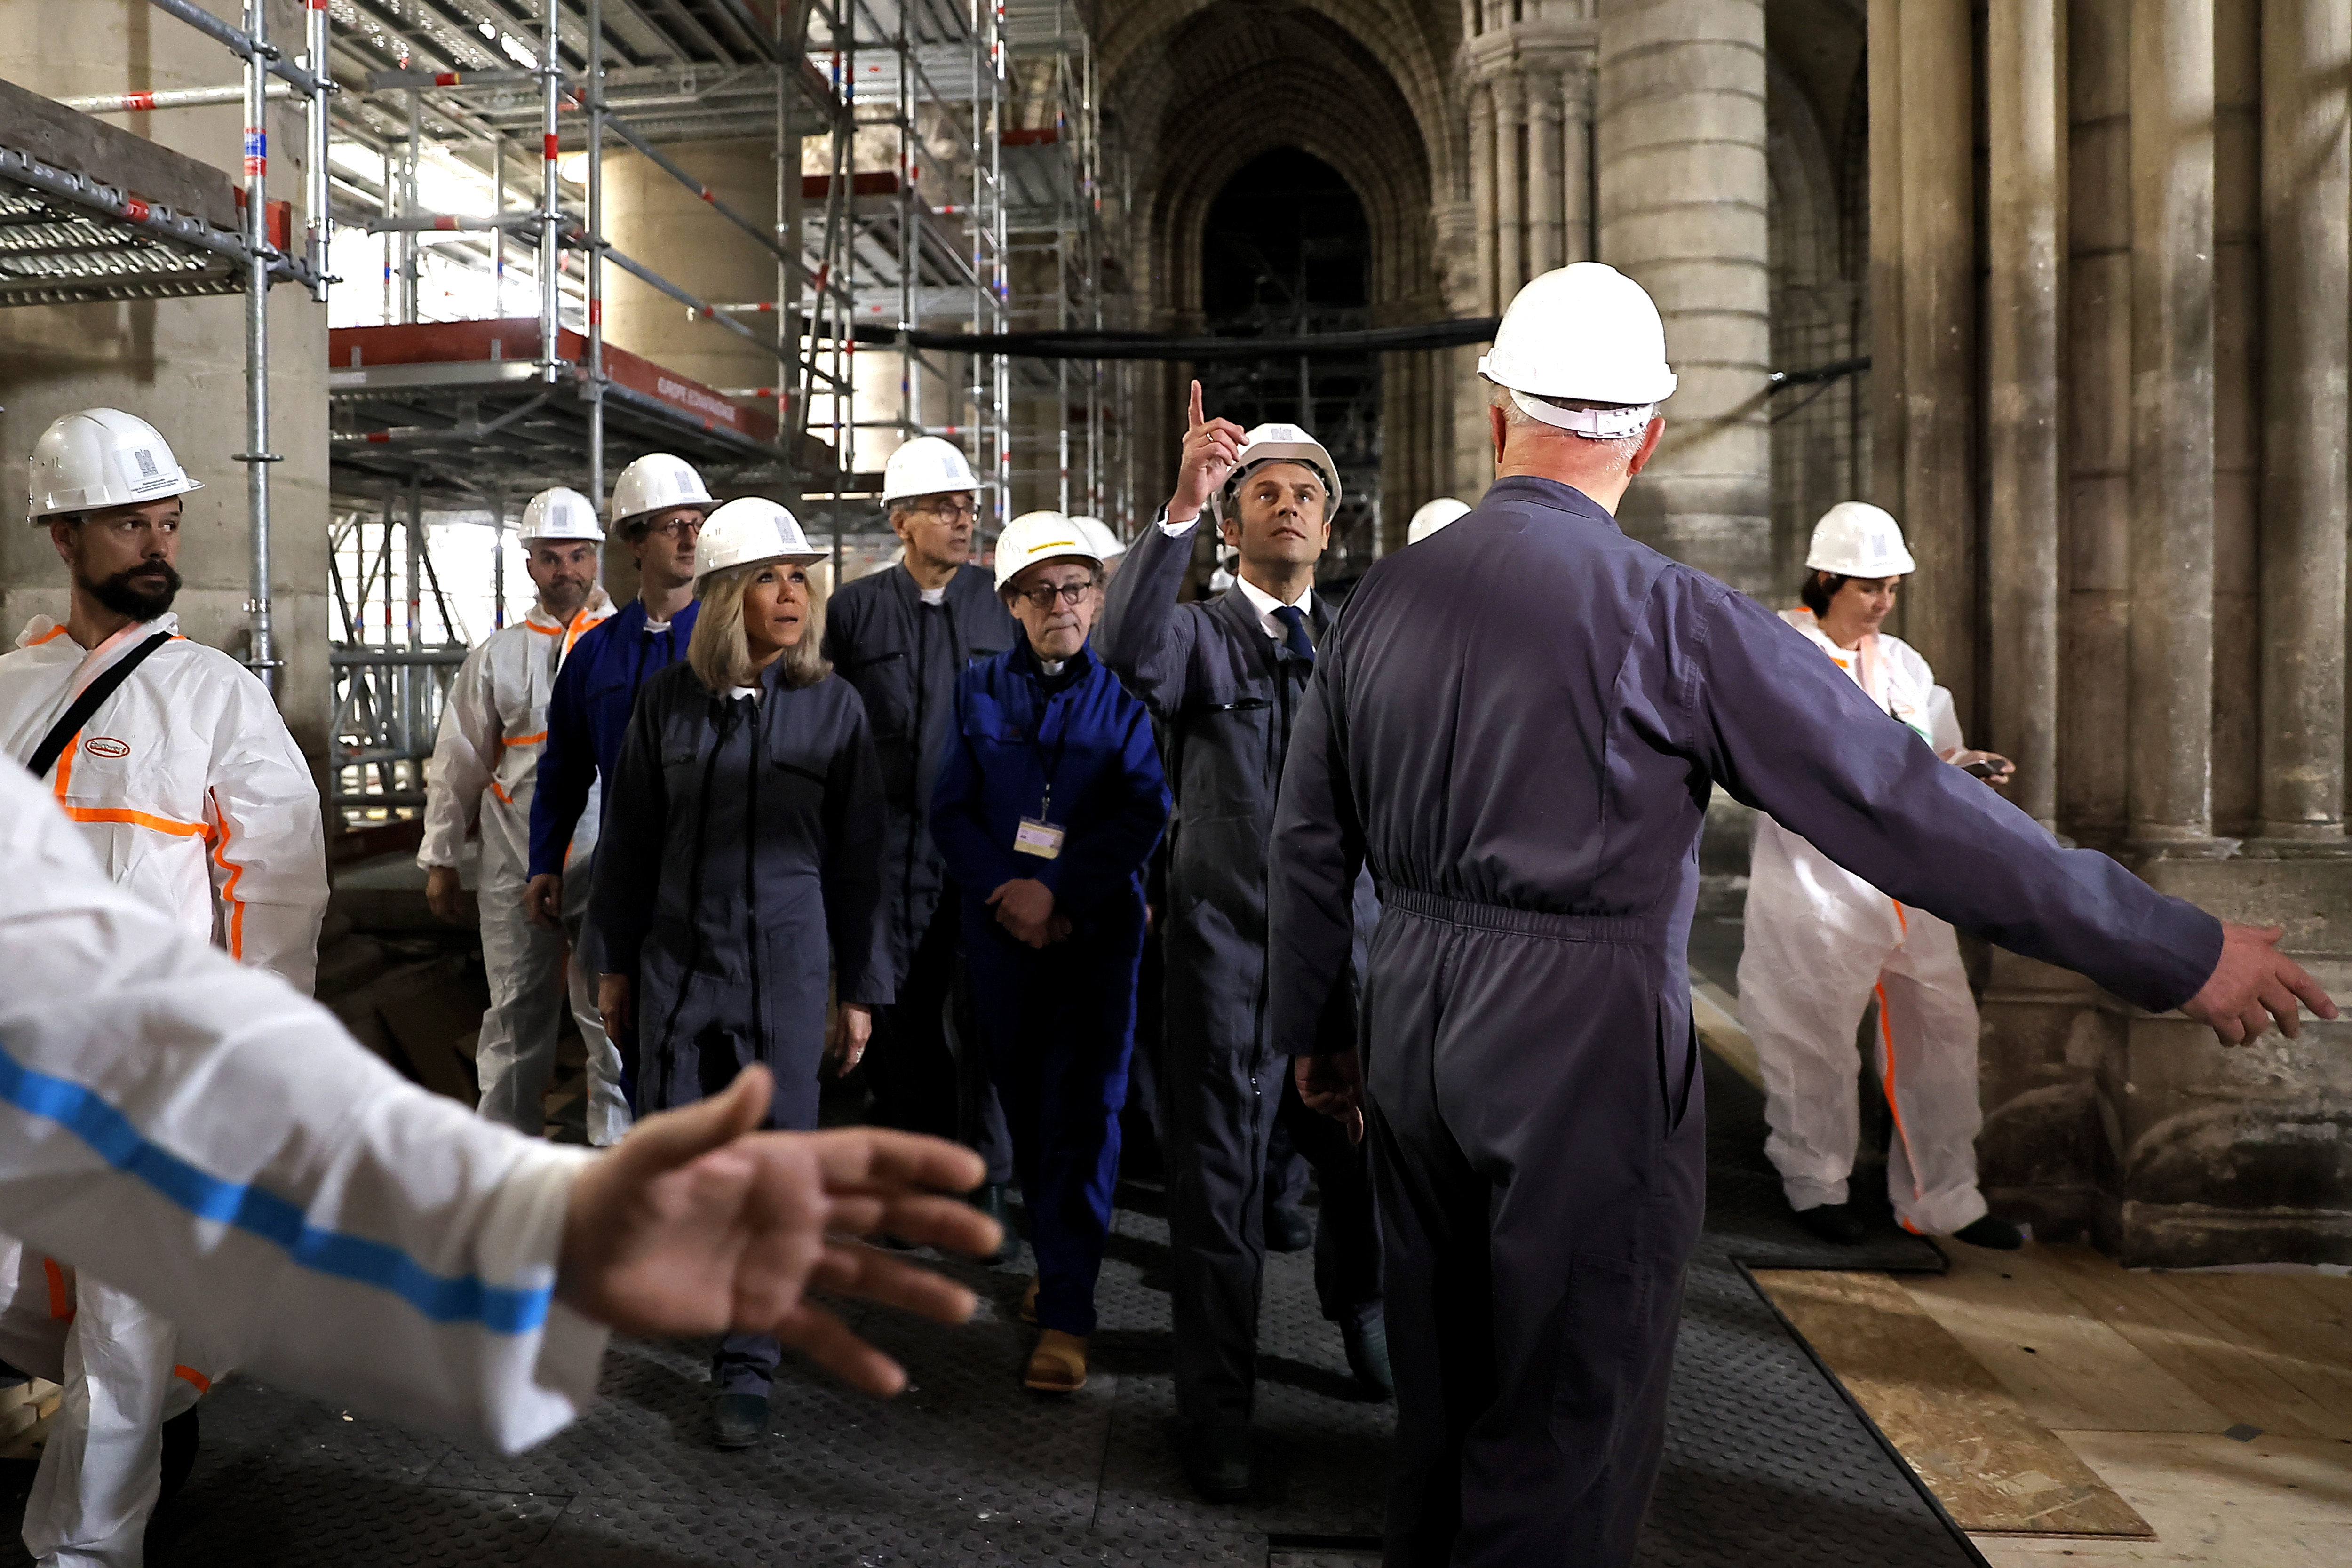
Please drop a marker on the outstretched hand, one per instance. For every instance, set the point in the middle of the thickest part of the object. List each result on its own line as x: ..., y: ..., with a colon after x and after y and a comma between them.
x: 696, y: 1224
x: 1213, y: 450
x: 2253, y: 983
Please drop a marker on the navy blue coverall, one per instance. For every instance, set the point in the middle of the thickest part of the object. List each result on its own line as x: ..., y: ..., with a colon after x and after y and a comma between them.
x: 1074, y: 750
x: 741, y: 857
x: 1518, y: 728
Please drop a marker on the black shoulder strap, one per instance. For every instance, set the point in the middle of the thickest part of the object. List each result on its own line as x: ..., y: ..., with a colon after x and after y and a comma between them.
x: 53, y: 744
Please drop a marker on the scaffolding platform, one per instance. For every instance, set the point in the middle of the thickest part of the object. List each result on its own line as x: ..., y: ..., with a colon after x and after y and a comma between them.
x: 446, y: 403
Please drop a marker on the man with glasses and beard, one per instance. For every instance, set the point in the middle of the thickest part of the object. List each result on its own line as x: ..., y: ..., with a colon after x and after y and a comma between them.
x: 184, y: 780
x: 902, y: 636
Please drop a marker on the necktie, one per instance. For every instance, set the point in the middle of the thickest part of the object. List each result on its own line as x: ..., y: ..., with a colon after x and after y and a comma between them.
x: 1294, y: 631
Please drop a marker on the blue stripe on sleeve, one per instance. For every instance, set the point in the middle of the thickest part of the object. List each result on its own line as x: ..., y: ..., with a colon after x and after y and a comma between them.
x: 248, y: 1209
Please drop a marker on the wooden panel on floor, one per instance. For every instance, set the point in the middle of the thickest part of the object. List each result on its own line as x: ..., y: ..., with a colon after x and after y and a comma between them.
x: 2273, y: 1502
x: 2207, y: 1354
x: 1991, y: 1465
x: 2286, y: 1319
x: 2069, y: 1370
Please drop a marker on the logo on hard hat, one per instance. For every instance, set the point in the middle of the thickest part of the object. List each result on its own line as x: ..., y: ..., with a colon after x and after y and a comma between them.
x: 107, y: 746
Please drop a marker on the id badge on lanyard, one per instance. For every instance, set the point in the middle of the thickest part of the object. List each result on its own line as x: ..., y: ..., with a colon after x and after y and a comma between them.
x: 1037, y: 835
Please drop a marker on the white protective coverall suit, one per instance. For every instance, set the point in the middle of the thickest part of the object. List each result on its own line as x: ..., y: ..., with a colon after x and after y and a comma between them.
x: 483, y: 771
x: 196, y: 1132
x: 1821, y: 944
x: 192, y: 793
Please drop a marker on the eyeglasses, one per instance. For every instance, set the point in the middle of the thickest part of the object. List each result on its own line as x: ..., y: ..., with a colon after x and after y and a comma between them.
x: 675, y: 527
x: 952, y: 512
x: 1042, y: 595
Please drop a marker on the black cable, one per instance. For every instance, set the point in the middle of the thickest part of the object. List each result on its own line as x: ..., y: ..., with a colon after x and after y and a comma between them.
x: 1149, y: 346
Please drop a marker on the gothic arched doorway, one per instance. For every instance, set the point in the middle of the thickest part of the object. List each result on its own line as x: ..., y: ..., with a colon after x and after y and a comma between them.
x: 1287, y: 253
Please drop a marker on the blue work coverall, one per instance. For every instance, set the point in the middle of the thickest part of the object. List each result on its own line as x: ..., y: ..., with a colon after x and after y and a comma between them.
x: 1057, y: 1022
x: 587, y: 717
x: 1517, y: 726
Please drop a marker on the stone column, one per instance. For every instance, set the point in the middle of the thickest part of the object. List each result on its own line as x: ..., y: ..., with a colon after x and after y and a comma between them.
x: 2306, y: 193
x: 656, y: 220
x: 1683, y: 193
x: 1576, y: 158
x: 2026, y: 115
x: 1510, y: 185
x: 1934, y: 384
x: 1483, y: 197
x: 2171, y: 658
x: 1543, y: 170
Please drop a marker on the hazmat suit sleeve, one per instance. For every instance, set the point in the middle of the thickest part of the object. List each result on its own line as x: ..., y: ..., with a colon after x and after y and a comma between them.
x: 1104, y: 859
x: 629, y: 847
x: 1315, y: 854
x: 1146, y: 635
x: 269, y: 858
x: 567, y: 764
x: 465, y: 754
x: 854, y: 821
x: 194, y: 1132
x: 1785, y: 731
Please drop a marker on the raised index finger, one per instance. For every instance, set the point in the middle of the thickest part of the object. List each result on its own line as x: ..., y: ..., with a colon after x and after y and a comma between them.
x: 1195, y: 420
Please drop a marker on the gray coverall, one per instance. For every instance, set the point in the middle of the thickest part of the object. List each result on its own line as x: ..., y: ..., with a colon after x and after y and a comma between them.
x: 903, y: 657
x: 1517, y: 732
x: 741, y: 860
x: 1227, y: 694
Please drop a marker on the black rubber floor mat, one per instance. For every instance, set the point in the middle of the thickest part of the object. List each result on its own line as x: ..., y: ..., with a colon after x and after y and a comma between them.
x: 1766, y: 1462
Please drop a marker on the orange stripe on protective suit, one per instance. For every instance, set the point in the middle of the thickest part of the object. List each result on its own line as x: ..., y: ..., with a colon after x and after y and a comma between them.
x: 194, y: 1379
x: 236, y: 921
x: 1886, y: 1081
x: 61, y: 1301
x: 50, y: 635
x: 125, y: 815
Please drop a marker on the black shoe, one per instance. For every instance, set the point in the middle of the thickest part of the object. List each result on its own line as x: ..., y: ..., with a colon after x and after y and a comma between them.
x: 1997, y: 1233
x: 1833, y: 1223
x: 738, y: 1420
x: 1288, y: 1230
x: 992, y: 1200
x: 1216, y: 1461
x: 1366, y: 1336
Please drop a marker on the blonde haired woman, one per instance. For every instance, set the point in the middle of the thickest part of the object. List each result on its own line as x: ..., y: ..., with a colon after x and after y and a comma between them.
x: 741, y: 858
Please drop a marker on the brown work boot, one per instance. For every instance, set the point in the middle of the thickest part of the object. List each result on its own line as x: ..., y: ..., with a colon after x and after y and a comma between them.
x: 1059, y: 1363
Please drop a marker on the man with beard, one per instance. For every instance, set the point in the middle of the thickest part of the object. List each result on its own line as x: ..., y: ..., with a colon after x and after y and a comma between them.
x: 902, y: 636
x: 185, y: 782
x: 482, y: 780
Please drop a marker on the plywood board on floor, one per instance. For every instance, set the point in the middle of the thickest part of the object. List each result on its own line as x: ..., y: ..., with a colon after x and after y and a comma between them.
x: 1990, y: 1464
x: 2273, y: 1502
x: 2069, y: 1370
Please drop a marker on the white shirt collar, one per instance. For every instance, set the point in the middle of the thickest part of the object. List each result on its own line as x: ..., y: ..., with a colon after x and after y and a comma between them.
x: 1265, y: 603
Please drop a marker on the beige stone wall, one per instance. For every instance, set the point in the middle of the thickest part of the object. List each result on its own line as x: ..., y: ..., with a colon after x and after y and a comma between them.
x: 2139, y: 215
x: 179, y: 363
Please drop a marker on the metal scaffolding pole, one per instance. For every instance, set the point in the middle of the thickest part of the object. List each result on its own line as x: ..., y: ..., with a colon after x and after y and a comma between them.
x: 262, y: 653
x: 551, y: 207
x: 595, y: 256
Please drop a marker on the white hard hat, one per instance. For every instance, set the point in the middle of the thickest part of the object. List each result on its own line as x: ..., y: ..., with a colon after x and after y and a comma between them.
x: 1109, y: 546
x: 1856, y: 539
x: 1036, y: 536
x: 1433, y: 517
x: 559, y: 513
x: 1586, y: 333
x: 746, y: 532
x: 103, y: 458
x: 656, y: 482
x: 1280, y: 444
x: 926, y: 465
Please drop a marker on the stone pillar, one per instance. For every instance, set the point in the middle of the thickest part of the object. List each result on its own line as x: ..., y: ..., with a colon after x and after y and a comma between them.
x: 1484, y: 200
x: 1510, y: 185
x: 653, y: 218
x: 2026, y: 117
x: 1576, y: 158
x: 2306, y: 193
x: 2171, y: 658
x: 1684, y: 194
x: 1543, y: 171
x: 1930, y: 396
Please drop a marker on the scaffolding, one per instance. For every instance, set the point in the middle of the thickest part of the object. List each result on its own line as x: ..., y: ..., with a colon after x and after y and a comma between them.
x: 69, y: 235
x: 519, y: 106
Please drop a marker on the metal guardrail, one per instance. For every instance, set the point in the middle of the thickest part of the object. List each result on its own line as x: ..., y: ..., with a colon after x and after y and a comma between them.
x: 388, y: 704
